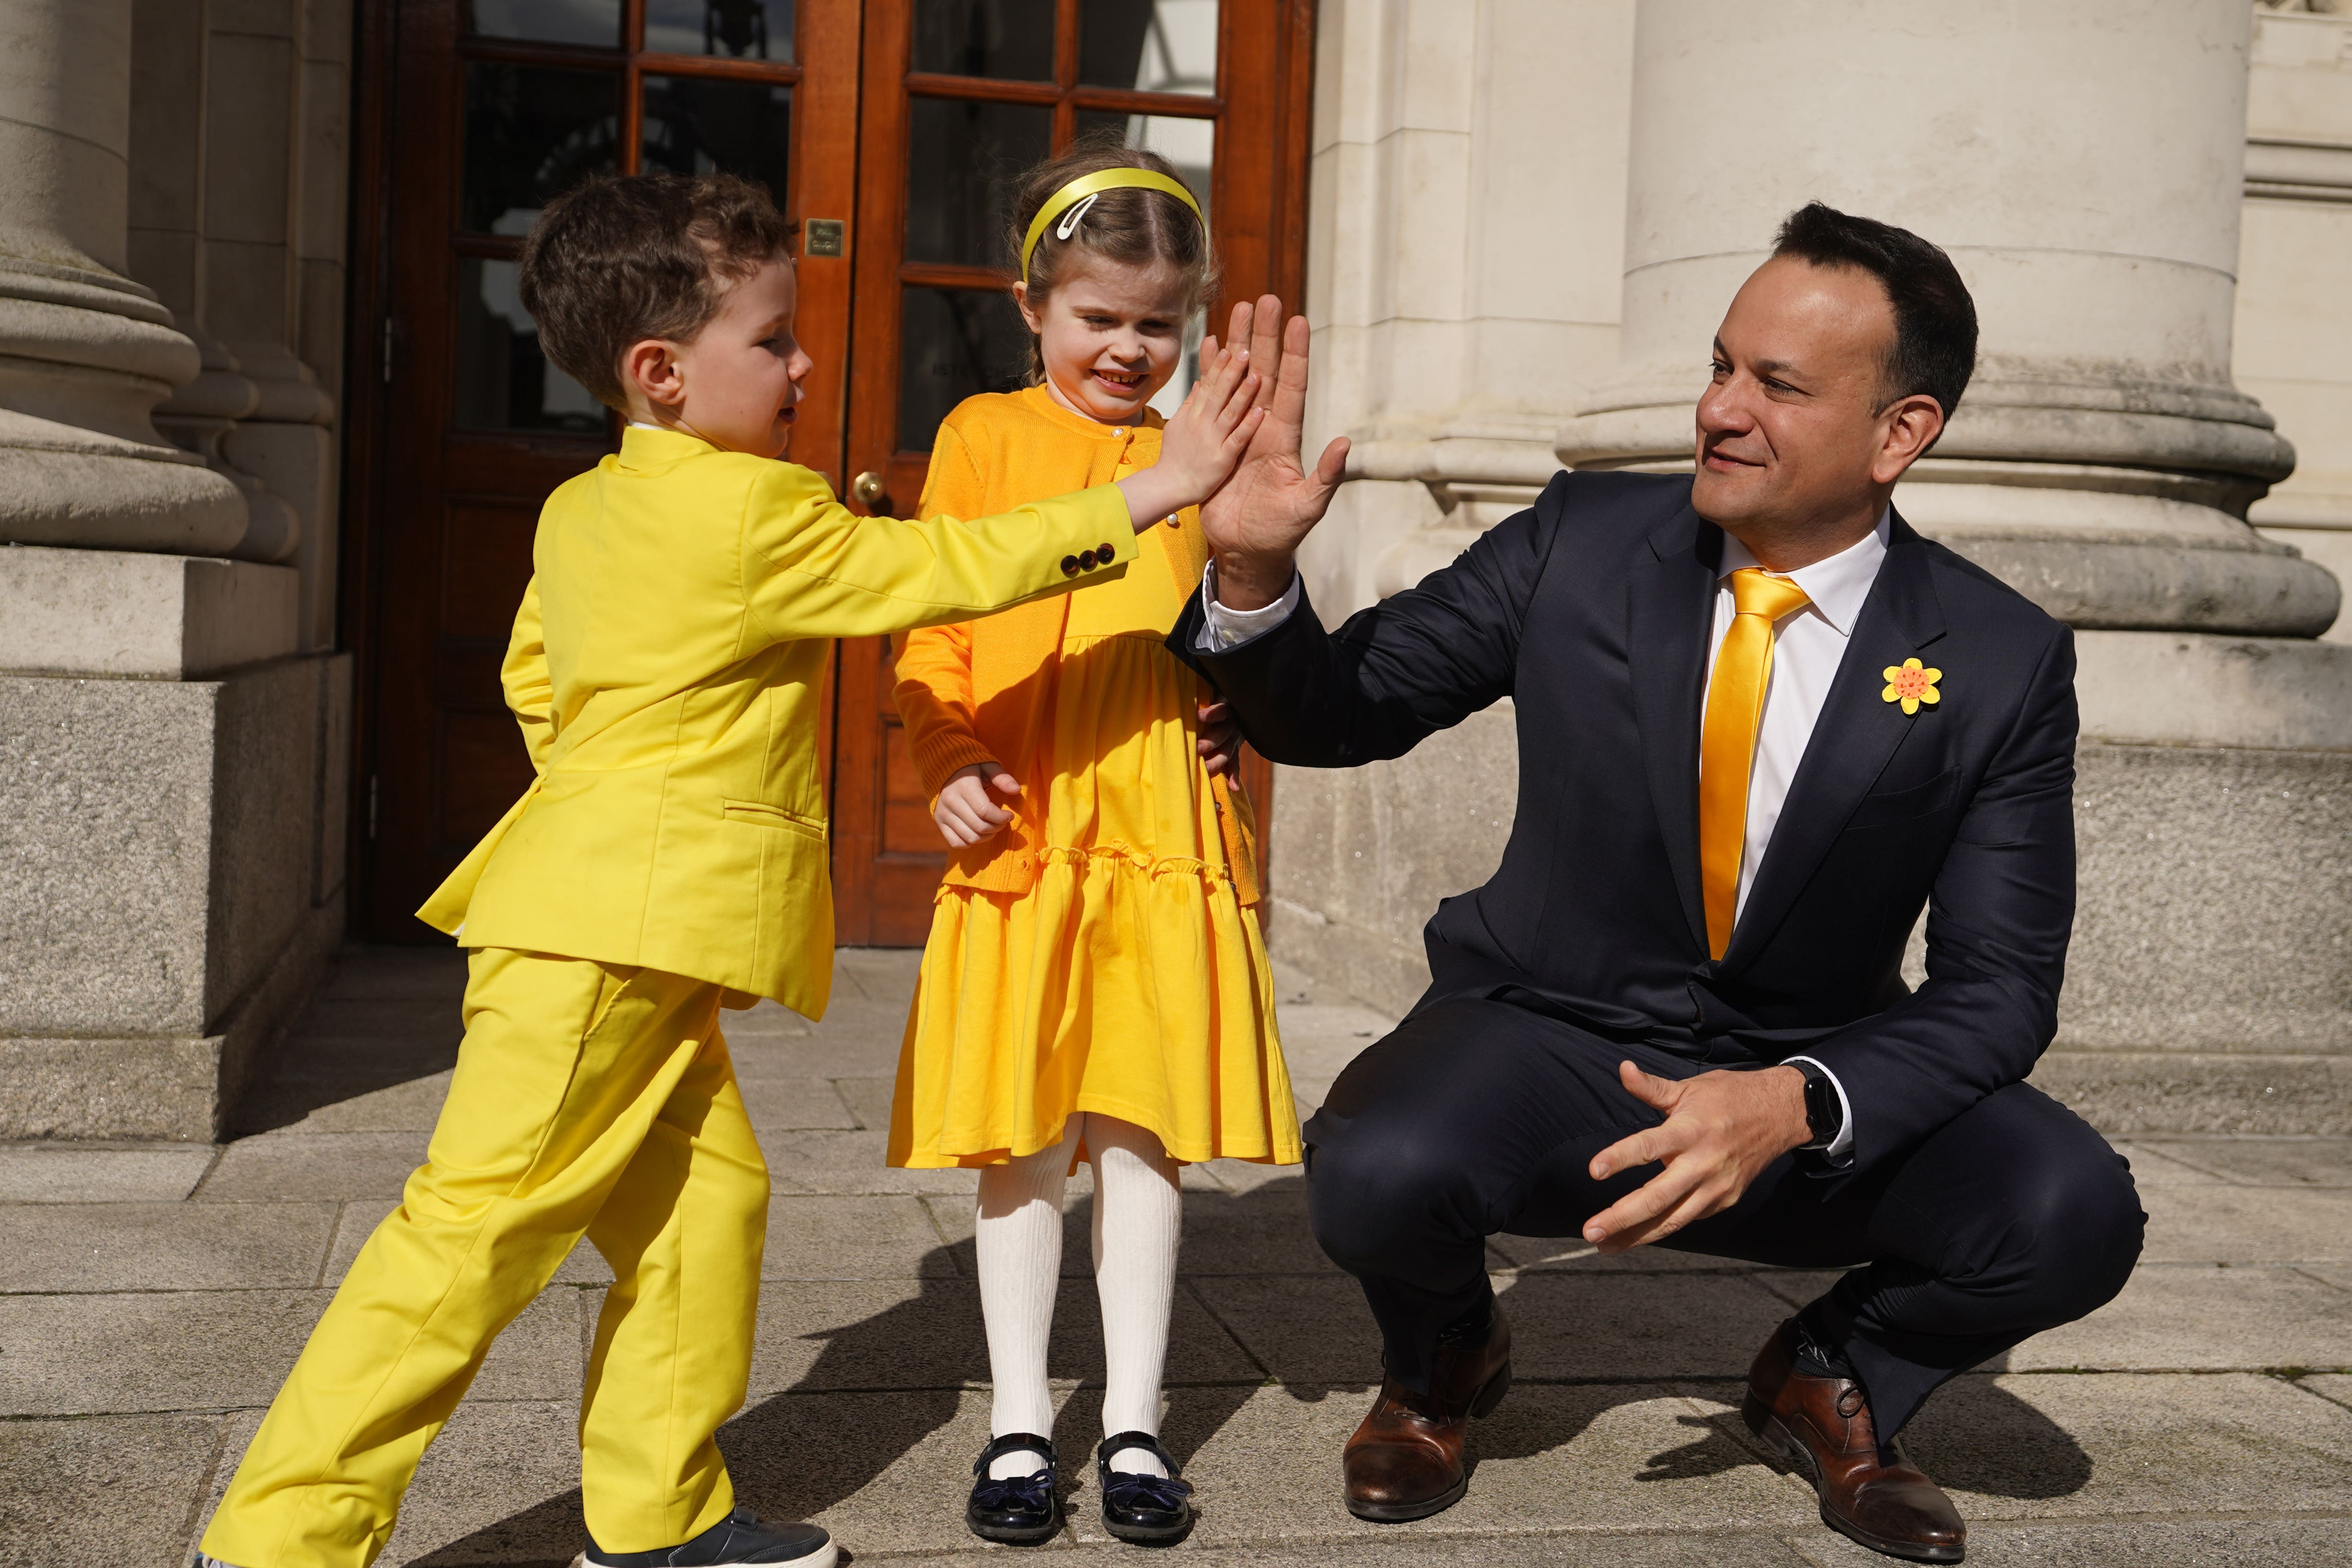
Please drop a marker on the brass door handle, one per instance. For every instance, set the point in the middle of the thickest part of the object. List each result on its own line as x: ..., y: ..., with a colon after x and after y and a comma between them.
x: 869, y: 491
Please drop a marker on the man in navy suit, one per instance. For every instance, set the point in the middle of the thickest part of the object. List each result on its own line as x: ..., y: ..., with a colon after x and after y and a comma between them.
x: 1761, y: 723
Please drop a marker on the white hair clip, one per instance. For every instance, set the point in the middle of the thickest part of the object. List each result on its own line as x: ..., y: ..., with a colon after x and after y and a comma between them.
x: 1069, y: 225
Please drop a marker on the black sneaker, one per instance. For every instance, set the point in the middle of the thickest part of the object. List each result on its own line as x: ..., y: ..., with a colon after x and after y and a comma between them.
x: 738, y: 1537
x: 1148, y: 1510
x: 1020, y: 1510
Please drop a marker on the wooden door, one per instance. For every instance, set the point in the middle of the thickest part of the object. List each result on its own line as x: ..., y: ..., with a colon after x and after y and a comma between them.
x: 959, y: 96
x: 892, y: 123
x: 479, y: 112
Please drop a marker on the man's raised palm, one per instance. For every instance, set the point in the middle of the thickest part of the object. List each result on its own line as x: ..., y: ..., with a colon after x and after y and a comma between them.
x: 1255, y: 522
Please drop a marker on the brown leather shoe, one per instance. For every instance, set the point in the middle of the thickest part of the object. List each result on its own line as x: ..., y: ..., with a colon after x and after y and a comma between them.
x: 1821, y: 1426
x: 1406, y: 1459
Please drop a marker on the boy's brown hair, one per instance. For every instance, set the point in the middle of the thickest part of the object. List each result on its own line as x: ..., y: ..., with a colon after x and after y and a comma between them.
x: 1132, y: 226
x: 628, y: 257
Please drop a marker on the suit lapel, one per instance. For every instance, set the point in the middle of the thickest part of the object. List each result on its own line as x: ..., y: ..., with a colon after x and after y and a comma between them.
x: 1669, y: 617
x: 1852, y: 739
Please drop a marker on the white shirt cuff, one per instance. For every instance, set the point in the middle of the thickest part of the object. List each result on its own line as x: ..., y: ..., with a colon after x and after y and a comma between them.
x: 1221, y: 628
x: 1843, y: 1142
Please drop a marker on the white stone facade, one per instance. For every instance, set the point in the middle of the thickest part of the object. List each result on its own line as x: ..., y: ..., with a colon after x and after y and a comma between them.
x: 1527, y: 220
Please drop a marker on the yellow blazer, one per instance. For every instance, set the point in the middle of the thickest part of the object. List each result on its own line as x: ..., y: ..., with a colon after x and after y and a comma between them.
x: 666, y: 667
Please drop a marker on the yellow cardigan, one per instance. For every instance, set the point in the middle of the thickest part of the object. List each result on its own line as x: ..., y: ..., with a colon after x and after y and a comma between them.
x: 666, y: 667
x: 984, y: 691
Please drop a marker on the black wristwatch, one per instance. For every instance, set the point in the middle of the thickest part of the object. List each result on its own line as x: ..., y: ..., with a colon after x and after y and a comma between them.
x: 1825, y: 1111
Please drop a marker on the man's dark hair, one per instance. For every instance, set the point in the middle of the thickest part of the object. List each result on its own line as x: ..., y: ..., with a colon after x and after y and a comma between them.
x: 1935, y: 347
x: 628, y: 257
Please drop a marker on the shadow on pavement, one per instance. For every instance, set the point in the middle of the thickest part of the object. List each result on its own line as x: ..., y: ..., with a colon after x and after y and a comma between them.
x: 848, y: 1420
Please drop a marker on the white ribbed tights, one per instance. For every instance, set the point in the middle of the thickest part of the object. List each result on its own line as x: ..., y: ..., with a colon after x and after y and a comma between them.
x: 1137, y: 1212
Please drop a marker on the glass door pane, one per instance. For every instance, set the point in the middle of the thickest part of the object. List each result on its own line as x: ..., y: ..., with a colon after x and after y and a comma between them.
x: 531, y: 133
x: 1005, y: 38
x: 961, y: 159
x: 695, y: 125
x: 736, y: 30
x: 596, y: 22
x: 1149, y: 46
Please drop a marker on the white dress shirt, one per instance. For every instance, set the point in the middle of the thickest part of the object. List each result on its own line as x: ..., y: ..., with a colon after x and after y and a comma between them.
x: 1807, y: 648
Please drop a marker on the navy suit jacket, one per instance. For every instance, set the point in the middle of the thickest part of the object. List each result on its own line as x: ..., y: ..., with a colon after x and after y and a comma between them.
x: 1592, y: 612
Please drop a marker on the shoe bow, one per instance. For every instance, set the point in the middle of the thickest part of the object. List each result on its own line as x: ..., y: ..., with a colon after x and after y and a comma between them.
x: 1128, y: 1488
x: 1031, y: 1492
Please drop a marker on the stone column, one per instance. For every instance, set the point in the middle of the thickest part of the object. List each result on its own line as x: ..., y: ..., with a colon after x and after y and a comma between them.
x: 172, y: 772
x: 84, y: 353
x: 1468, y: 187
x: 2084, y: 167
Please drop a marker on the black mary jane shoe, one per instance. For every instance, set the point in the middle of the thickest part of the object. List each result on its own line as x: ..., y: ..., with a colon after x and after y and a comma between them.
x: 1020, y: 1510
x: 1146, y: 1511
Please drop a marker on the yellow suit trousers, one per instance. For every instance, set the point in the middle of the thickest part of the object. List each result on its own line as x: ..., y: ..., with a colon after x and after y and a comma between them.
x: 588, y: 1099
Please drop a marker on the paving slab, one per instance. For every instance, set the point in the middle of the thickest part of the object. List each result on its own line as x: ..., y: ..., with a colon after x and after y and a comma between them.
x: 905, y: 1333
x: 277, y: 1165
x: 2266, y: 1162
x: 411, y: 1105
x: 847, y: 1163
x: 2150, y: 1167
x: 868, y: 1099
x: 2134, y: 1544
x: 161, y: 1247
x: 898, y: 1487
x: 115, y: 1489
x: 1552, y: 1457
x: 2229, y: 1223
x: 47, y: 1173
x: 795, y: 1104
x: 2054, y: 1445
x: 1554, y: 1254
x: 499, y: 1485
x: 1710, y: 1550
x: 2200, y: 1316
x: 863, y: 1237
x: 198, y: 1350
x: 2336, y: 1387
x: 1261, y: 1231
x: 1317, y: 1330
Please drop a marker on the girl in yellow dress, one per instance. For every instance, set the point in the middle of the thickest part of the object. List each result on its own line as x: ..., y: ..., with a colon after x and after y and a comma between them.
x: 1094, y: 985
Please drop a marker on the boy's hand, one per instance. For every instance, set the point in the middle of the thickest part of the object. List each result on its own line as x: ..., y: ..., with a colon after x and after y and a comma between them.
x: 966, y: 811
x: 1203, y: 442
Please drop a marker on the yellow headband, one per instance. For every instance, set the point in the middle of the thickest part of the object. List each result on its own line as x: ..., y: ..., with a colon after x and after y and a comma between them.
x: 1094, y: 185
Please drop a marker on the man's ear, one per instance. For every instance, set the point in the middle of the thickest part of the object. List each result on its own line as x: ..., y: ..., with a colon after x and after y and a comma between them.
x: 650, y: 368
x: 1912, y: 424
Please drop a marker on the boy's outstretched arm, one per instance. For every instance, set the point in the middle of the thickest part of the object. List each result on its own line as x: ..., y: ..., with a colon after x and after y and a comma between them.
x: 814, y: 568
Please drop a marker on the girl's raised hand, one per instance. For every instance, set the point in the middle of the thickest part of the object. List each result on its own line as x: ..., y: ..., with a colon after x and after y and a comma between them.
x: 1203, y: 442
x: 967, y: 811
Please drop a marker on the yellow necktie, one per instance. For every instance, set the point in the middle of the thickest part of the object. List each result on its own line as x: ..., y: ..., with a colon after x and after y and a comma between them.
x: 1726, y: 751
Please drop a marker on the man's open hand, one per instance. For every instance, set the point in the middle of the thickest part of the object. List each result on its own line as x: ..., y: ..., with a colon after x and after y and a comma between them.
x: 1721, y: 1129
x: 1254, y: 524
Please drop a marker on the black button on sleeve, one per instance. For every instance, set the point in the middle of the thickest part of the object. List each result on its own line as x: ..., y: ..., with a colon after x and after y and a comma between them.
x: 1069, y: 566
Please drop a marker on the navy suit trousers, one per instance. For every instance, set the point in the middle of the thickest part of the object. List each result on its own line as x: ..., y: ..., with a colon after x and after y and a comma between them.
x: 1478, y: 1117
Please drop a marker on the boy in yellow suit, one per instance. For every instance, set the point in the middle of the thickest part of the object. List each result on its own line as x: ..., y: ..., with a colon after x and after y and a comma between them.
x: 669, y: 860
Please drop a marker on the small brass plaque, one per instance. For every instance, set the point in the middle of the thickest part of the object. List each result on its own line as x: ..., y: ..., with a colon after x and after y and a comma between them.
x: 823, y: 236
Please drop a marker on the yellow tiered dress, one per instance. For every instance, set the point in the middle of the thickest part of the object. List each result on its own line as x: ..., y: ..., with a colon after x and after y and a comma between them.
x: 1112, y: 965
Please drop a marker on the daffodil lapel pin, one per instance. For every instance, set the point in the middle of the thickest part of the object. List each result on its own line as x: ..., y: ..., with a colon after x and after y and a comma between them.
x: 1910, y: 684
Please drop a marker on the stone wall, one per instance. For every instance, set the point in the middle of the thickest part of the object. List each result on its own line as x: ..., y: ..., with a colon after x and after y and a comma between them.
x: 175, y: 723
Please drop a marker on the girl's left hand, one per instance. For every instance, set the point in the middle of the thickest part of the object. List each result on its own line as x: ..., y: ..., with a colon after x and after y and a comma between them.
x: 1204, y: 441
